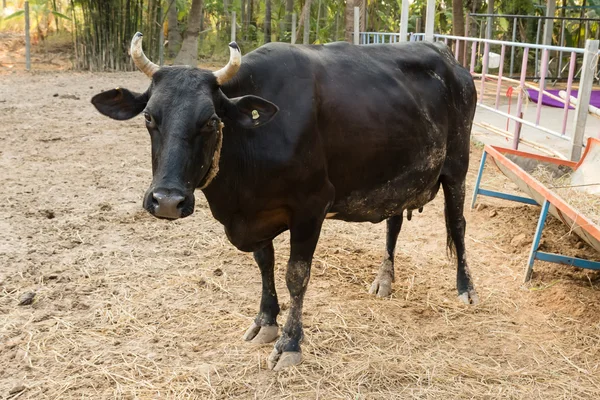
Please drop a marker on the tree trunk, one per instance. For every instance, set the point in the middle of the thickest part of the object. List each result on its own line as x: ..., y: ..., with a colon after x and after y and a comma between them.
x: 458, y: 24
x: 306, y: 35
x: 174, y: 36
x: 267, y: 21
x: 54, y: 16
x: 242, y: 32
x: 318, y: 20
x: 188, y: 55
x: 226, y: 7
x: 349, y: 20
x: 473, y: 23
x: 249, y: 9
x: 289, y: 10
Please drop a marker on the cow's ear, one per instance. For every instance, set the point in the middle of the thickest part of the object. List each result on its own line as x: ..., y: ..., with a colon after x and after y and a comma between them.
x: 120, y: 104
x: 251, y: 111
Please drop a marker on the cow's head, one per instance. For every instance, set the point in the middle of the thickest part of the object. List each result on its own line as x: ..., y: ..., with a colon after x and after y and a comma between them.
x: 182, y: 109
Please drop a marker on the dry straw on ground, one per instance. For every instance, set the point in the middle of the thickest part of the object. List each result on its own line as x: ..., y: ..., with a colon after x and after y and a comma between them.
x: 128, y: 306
x: 586, y: 203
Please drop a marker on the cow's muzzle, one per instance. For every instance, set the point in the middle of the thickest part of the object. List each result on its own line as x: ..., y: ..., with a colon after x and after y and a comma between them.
x: 169, y: 203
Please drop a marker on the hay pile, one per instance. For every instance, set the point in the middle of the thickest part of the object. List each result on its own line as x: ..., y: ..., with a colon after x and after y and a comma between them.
x: 130, y: 307
x: 560, y: 183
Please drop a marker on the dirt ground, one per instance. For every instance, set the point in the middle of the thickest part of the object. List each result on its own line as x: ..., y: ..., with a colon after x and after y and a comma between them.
x: 128, y: 306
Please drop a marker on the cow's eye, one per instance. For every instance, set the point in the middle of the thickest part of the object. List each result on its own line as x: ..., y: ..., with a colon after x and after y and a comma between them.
x: 147, y: 117
x: 213, y: 122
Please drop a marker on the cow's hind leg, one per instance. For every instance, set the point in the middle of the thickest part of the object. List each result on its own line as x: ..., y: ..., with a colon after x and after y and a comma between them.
x: 264, y: 329
x: 454, y: 196
x: 382, y: 285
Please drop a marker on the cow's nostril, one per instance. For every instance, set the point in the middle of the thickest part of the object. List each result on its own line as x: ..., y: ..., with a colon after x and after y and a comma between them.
x: 167, y: 205
x: 155, y: 199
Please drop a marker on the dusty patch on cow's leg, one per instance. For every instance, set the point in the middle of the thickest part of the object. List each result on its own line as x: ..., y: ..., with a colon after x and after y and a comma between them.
x: 287, y: 349
x: 382, y: 285
x: 304, y: 235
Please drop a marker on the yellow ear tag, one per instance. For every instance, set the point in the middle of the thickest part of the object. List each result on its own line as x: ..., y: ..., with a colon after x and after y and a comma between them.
x: 255, y: 114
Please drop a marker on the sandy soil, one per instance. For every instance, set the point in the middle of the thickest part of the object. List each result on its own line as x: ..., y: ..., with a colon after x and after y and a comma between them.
x: 128, y: 306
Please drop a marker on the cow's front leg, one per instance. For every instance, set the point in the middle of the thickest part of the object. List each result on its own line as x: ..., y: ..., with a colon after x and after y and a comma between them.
x: 264, y: 329
x: 304, y: 237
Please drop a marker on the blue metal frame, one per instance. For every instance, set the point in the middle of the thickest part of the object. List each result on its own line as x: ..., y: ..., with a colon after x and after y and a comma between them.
x: 534, y: 254
x: 491, y: 193
x: 506, y: 196
x: 478, y: 181
x: 536, y: 239
x: 574, y: 261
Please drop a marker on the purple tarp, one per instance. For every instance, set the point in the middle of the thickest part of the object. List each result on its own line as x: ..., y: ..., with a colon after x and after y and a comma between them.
x: 547, y: 101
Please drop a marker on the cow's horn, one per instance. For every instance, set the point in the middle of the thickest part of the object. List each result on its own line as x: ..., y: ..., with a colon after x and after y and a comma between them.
x: 139, y: 58
x: 232, y: 67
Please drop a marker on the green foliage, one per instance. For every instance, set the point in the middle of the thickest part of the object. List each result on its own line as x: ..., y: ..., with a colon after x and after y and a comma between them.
x: 15, y: 14
x: 60, y: 15
x: 102, y: 29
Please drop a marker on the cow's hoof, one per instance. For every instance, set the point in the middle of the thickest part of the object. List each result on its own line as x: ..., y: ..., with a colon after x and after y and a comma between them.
x: 469, y: 298
x: 382, y: 285
x: 261, y: 334
x: 279, y: 361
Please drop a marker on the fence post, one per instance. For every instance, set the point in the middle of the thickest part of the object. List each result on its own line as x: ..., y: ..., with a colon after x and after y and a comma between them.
x: 588, y: 71
x: 549, y: 25
x: 356, y: 38
x: 404, y: 21
x: 429, y: 20
x: 490, y: 20
x: 27, y: 39
x: 294, y: 16
x: 233, y: 26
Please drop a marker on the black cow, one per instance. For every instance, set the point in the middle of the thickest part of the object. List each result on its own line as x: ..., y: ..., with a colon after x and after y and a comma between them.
x: 357, y: 133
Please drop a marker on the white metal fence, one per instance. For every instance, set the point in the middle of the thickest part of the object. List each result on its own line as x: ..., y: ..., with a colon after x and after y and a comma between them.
x: 481, y: 56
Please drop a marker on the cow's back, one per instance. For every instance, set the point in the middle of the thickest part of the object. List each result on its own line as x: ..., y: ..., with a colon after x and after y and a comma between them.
x: 380, y: 118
